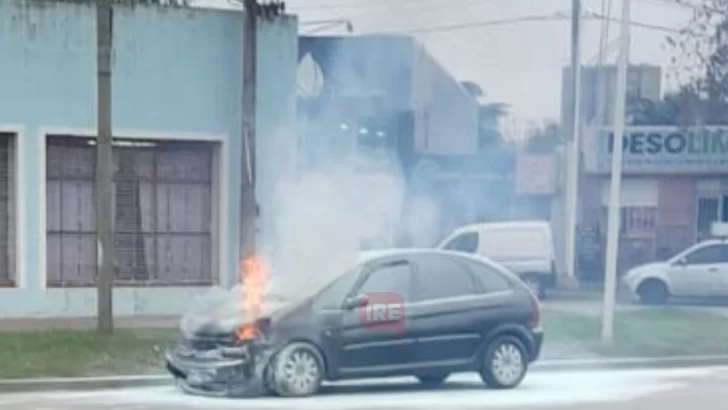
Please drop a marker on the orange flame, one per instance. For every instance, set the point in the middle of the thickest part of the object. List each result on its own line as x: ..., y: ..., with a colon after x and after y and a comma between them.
x: 253, y: 278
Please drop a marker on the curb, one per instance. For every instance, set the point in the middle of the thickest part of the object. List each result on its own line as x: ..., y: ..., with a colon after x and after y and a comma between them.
x: 82, y: 383
x: 631, y: 363
x: 117, y: 382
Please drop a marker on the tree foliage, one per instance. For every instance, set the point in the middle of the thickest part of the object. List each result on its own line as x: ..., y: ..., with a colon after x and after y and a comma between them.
x: 544, y: 139
x: 701, y: 63
x: 474, y: 89
x: 489, y: 116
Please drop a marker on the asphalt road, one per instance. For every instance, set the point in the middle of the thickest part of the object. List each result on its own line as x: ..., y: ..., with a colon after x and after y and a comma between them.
x: 669, y: 389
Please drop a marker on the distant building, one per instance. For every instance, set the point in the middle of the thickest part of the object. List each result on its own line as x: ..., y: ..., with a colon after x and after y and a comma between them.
x: 643, y: 81
x: 675, y: 185
x: 388, y: 84
x: 597, y: 108
x: 386, y: 95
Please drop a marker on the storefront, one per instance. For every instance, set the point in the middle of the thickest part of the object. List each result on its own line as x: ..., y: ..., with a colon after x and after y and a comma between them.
x: 675, y: 184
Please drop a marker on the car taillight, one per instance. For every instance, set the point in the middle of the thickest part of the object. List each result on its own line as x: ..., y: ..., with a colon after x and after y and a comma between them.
x: 535, y: 312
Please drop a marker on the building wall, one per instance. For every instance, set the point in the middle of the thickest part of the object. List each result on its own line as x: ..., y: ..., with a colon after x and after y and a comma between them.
x: 177, y: 75
x: 643, y: 81
x: 673, y: 187
x: 446, y: 114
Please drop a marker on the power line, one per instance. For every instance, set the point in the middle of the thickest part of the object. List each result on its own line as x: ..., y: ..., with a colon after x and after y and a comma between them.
x: 388, y: 4
x: 597, y: 16
x: 365, y: 4
x: 673, y: 3
x: 558, y: 16
x: 489, y: 23
x: 542, y: 18
x: 686, y: 4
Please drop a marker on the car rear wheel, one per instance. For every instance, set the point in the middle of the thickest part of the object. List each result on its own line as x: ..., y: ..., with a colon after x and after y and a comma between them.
x: 504, y: 363
x: 653, y: 292
x: 433, y: 380
x: 296, y: 371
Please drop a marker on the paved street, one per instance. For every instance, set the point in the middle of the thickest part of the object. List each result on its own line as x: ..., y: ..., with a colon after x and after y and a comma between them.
x: 598, y: 390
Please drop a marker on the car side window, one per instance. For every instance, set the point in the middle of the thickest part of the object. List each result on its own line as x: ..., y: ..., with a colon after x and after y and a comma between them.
x: 393, y: 277
x: 332, y: 297
x: 441, y: 277
x: 491, y: 279
x: 465, y: 242
x: 708, y: 255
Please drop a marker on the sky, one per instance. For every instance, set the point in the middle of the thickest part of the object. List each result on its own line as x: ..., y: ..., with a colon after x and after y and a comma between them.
x: 520, y: 63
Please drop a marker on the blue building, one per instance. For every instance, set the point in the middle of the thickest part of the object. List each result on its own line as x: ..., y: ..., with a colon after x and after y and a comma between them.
x: 177, y: 92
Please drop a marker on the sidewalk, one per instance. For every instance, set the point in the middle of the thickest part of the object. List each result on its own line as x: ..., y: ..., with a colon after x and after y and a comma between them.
x: 61, y: 323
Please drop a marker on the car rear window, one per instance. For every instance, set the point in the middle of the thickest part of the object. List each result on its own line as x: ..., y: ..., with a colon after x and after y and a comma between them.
x: 491, y: 279
x: 465, y: 242
x: 441, y: 278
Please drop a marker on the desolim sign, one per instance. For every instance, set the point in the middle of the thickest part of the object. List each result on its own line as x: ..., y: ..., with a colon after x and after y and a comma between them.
x: 660, y: 150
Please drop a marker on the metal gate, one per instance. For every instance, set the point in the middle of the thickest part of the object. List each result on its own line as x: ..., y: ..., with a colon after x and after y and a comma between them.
x: 7, y: 210
x: 162, y: 199
x: 637, y: 236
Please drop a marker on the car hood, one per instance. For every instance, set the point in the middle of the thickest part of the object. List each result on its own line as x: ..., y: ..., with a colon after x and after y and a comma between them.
x: 634, y: 275
x: 652, y: 266
x: 222, y: 311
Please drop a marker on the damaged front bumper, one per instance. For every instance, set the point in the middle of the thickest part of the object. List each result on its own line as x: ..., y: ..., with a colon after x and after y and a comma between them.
x: 220, y: 371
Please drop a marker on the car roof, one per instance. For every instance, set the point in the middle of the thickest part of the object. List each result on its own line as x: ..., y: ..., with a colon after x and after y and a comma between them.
x: 505, y: 224
x: 710, y: 241
x: 371, y: 255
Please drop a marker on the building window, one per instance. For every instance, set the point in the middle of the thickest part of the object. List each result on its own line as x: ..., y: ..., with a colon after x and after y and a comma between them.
x: 7, y: 210
x: 634, y: 221
x: 638, y: 221
x: 162, y: 198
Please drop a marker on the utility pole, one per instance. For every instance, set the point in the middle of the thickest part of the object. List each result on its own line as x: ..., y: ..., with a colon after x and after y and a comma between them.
x: 600, y: 119
x: 248, y: 202
x: 610, y: 279
x: 572, y: 157
x: 104, y: 166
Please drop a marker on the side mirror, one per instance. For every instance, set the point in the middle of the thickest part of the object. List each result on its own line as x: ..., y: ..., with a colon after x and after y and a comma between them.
x: 681, y: 262
x: 356, y: 302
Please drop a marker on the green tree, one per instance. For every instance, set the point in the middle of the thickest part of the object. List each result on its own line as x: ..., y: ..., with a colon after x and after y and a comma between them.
x: 643, y: 111
x: 701, y: 56
x: 544, y: 139
x: 489, y: 116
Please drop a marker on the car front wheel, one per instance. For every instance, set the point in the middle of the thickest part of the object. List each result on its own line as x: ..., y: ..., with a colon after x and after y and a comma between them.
x: 296, y: 371
x: 504, y: 363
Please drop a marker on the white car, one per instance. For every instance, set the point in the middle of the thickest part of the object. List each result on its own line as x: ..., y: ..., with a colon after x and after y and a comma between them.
x: 524, y: 247
x: 699, y: 271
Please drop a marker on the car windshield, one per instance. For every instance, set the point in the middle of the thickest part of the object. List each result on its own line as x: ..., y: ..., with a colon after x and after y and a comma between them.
x: 221, y: 310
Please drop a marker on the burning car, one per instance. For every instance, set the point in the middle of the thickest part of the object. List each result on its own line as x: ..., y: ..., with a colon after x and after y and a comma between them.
x: 424, y: 313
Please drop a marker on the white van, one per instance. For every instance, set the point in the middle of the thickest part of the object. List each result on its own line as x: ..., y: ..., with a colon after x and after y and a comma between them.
x: 525, y: 247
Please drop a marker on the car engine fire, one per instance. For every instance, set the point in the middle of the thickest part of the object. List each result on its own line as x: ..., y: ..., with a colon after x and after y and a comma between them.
x: 252, y: 295
x: 227, y: 341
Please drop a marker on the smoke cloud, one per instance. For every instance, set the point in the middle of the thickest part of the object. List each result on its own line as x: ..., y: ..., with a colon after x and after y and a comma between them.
x: 327, y: 216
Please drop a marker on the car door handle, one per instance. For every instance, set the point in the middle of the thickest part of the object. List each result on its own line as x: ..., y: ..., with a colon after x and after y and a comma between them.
x: 713, y: 270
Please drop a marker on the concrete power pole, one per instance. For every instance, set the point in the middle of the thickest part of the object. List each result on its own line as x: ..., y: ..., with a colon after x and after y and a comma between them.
x: 248, y: 202
x: 572, y: 166
x: 104, y: 166
x: 610, y: 274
